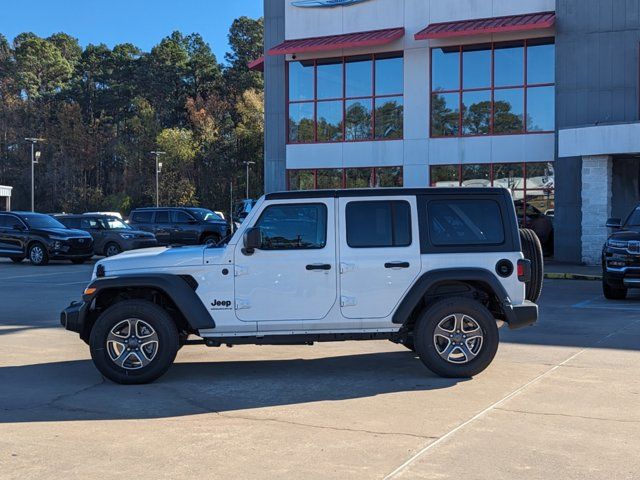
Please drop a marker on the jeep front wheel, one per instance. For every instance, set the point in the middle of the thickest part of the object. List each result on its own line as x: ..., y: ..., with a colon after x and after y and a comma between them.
x: 134, y: 342
x: 456, y: 337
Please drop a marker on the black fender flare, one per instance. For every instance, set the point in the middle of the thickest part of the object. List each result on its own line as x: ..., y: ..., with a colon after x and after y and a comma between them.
x: 429, y: 279
x: 181, y: 291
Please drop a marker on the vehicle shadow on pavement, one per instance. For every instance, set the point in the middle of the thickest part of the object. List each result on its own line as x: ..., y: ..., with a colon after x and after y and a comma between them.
x: 74, y: 390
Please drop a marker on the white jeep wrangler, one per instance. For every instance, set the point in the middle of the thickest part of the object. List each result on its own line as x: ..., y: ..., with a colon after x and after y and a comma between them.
x: 436, y: 270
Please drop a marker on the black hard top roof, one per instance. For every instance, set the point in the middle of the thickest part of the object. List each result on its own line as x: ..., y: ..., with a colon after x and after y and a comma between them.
x: 386, y: 192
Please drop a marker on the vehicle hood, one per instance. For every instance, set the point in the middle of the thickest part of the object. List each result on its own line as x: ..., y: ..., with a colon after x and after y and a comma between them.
x: 625, y: 235
x: 60, y: 232
x: 155, y: 258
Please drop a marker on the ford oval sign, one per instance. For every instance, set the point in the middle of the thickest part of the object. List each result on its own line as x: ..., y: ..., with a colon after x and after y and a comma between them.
x: 325, y: 3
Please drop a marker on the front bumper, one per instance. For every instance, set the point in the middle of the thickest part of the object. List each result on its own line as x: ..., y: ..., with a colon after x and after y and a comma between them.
x: 73, y: 317
x: 70, y: 249
x: 520, y: 316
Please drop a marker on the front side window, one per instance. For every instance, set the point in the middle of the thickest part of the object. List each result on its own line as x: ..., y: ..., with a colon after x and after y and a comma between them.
x: 493, y: 89
x: 293, y: 227
x: 346, y: 99
x: 162, y: 216
x: 465, y: 222
x: 378, y: 224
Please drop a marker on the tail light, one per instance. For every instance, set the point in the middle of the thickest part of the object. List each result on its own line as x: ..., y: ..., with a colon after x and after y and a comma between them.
x: 524, y: 270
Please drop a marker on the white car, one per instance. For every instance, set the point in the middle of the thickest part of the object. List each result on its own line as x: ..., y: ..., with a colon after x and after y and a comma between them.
x: 437, y: 270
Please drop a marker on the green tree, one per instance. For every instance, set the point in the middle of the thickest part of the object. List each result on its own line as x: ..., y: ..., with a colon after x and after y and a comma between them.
x: 246, y: 39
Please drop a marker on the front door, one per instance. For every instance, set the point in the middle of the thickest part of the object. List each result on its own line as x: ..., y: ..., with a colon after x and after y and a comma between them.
x: 292, y: 276
x: 184, y: 229
x: 379, y: 254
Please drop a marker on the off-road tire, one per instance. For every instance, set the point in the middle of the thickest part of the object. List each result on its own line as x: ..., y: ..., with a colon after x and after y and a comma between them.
x: 426, y: 347
x: 152, y: 314
x: 613, y: 293
x: 532, y: 251
x: 36, y: 258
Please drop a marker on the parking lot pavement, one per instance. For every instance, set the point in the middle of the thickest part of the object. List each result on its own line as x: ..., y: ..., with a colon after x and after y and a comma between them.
x: 561, y: 400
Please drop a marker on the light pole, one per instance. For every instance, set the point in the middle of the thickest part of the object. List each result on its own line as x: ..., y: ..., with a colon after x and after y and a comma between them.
x: 247, y: 163
x: 158, y: 167
x: 35, y: 156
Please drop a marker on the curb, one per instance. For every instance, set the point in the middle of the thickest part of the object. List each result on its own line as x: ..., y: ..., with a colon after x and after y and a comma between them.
x: 571, y: 276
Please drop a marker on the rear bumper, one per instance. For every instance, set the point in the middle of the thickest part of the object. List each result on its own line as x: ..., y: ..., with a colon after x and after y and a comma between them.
x: 520, y: 316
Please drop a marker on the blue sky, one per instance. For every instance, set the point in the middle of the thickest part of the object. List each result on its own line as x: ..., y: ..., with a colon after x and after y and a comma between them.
x: 141, y: 22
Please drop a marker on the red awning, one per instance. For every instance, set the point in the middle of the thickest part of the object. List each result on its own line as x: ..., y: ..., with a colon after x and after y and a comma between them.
x: 257, y: 65
x: 512, y: 23
x: 336, y: 42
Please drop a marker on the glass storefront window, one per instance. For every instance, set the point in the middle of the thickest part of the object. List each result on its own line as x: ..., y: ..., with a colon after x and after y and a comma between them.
x: 389, y: 177
x: 329, y: 121
x: 301, y: 80
x: 445, y: 65
x: 389, y: 115
x: 301, y: 180
x: 508, y: 110
x: 478, y: 175
x: 335, y: 178
x: 476, y: 112
x: 493, y: 90
x: 476, y: 67
x: 329, y: 178
x: 329, y: 78
x: 358, y: 119
x: 445, y: 176
x: 540, y: 109
x: 508, y: 59
x: 389, y: 75
x: 445, y: 114
x: 508, y: 175
x: 359, y: 177
x: 339, y: 98
x: 540, y: 62
x: 359, y: 75
x: 301, y: 122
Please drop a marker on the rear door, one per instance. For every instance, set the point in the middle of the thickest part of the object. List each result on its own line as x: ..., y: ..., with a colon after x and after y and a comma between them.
x: 9, y: 241
x: 379, y: 254
x: 162, y: 226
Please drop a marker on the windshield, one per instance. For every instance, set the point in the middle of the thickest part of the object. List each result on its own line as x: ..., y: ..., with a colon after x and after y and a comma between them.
x: 634, y: 219
x: 42, y: 221
x: 113, y: 223
x: 205, y: 215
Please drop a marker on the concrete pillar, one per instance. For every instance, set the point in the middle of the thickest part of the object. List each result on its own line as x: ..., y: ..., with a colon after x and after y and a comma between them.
x: 8, y: 204
x: 597, y: 172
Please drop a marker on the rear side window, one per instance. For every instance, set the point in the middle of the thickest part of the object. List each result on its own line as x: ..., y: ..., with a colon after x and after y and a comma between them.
x: 294, y: 227
x: 142, y: 217
x: 89, y: 223
x: 70, y: 222
x: 465, y: 222
x: 378, y: 224
x: 6, y: 221
x: 162, y: 216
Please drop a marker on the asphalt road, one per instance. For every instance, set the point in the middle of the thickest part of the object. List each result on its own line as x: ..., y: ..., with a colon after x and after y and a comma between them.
x: 561, y: 400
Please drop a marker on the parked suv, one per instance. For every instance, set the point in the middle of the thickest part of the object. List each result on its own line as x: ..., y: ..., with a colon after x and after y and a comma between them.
x: 435, y: 270
x: 41, y: 238
x: 621, y: 257
x: 110, y: 234
x: 181, y: 225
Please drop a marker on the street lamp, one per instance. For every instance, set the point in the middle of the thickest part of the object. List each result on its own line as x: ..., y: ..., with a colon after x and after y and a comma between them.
x: 158, y: 168
x: 247, y: 163
x: 35, y: 156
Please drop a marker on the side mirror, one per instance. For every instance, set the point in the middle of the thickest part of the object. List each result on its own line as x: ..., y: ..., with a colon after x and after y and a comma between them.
x: 252, y: 240
x: 614, y: 223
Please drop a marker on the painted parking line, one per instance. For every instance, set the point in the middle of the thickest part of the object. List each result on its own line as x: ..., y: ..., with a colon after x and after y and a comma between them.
x: 500, y: 402
x: 587, y: 304
x: 34, y: 275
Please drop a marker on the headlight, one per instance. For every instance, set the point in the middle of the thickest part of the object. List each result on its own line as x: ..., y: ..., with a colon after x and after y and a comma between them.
x: 618, y: 244
x: 127, y: 236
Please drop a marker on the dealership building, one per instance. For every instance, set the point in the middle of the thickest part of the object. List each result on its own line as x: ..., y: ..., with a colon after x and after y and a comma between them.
x: 537, y: 96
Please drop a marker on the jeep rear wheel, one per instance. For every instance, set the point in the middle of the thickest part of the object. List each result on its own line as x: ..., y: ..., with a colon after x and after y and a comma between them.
x: 456, y: 337
x: 134, y: 342
x: 532, y: 251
